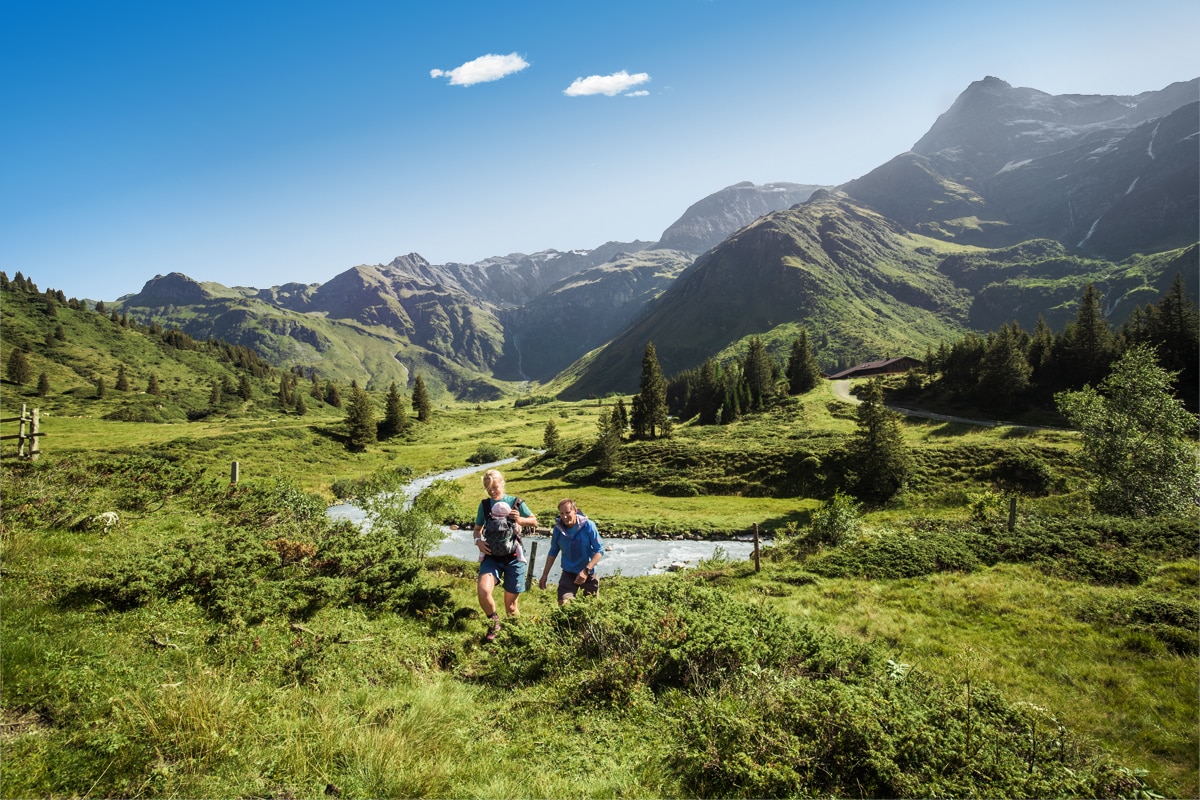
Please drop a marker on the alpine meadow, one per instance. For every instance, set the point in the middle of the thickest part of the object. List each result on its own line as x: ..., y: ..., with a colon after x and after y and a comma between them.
x: 953, y: 403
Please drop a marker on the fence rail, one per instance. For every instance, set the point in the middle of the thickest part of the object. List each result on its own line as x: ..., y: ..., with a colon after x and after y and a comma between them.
x: 28, y: 433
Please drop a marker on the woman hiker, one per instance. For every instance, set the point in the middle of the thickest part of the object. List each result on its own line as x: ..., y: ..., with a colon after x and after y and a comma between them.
x: 507, y: 569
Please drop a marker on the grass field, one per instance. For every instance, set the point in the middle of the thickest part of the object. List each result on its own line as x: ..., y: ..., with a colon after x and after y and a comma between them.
x: 168, y: 657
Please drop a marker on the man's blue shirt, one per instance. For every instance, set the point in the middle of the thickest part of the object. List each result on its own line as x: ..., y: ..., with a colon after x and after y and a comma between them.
x: 577, y: 544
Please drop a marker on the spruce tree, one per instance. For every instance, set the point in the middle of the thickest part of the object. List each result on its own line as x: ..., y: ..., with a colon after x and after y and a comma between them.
x: 652, y: 421
x: 244, y: 389
x: 608, y: 443
x: 100, y: 389
x: 879, y: 453
x: 360, y: 419
x: 152, y: 386
x: 551, y: 441
x: 759, y: 374
x: 122, y: 384
x: 43, y: 385
x: 17, y: 369
x: 332, y: 396
x: 394, y: 421
x: 420, y: 399
x: 214, y: 396
x: 803, y: 371
x: 301, y: 407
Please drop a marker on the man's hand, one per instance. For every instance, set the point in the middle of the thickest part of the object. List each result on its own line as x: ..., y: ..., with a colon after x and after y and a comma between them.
x: 542, y: 582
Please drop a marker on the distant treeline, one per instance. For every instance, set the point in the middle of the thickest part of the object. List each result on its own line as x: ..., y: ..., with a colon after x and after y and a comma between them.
x: 1011, y: 368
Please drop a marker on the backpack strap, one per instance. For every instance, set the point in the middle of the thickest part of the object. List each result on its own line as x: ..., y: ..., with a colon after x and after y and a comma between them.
x: 520, y: 528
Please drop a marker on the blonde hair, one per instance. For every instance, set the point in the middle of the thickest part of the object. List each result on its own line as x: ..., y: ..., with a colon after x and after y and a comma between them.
x: 491, y: 478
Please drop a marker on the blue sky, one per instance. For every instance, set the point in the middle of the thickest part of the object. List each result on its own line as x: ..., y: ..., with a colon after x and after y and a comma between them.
x: 257, y: 143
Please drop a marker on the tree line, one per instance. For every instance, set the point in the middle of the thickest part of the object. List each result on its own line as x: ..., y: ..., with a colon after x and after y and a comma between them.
x: 1011, y: 368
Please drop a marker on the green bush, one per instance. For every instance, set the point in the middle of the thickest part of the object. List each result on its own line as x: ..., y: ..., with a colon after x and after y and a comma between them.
x: 487, y: 453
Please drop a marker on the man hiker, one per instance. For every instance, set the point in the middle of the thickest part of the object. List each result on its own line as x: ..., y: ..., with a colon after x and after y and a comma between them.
x: 576, y: 537
x: 501, y: 555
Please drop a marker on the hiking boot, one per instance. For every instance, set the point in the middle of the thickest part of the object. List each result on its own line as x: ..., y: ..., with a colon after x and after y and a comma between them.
x: 491, y: 634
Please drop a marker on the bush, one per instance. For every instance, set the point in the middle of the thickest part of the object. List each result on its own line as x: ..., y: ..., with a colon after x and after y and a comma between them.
x: 487, y: 453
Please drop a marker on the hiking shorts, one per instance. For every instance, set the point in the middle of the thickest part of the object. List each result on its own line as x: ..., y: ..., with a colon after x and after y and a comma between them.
x: 508, y: 572
x: 568, y: 588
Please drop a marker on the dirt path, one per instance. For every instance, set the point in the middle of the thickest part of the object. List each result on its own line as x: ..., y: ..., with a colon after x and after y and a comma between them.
x: 841, y: 391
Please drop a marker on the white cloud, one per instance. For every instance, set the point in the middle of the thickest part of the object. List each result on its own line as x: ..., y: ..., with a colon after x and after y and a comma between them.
x: 639, y: 93
x: 605, y: 84
x: 483, y: 69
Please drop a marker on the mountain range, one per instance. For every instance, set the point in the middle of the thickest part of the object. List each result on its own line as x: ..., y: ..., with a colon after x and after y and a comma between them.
x: 1009, y: 205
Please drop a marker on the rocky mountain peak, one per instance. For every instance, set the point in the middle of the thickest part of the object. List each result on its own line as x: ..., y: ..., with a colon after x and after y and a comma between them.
x: 174, y: 288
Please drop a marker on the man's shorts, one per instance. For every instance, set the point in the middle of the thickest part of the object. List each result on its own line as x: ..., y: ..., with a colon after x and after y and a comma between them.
x: 508, y: 572
x: 567, y: 587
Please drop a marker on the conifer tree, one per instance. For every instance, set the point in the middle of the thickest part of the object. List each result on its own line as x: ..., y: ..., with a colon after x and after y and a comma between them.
x: 43, y: 385
x: 100, y: 307
x: 360, y: 419
x: 314, y: 391
x: 759, y: 374
x: 152, y: 386
x: 244, y: 389
x: 17, y: 369
x: 59, y: 333
x: 620, y: 416
x: 1005, y: 371
x: 214, y: 396
x: 1085, y: 350
x: 649, y: 418
x: 301, y: 407
x: 394, y: 421
x: 100, y: 389
x: 122, y: 384
x: 879, y: 453
x: 420, y: 399
x: 608, y: 443
x: 551, y: 441
x: 332, y: 396
x: 803, y: 372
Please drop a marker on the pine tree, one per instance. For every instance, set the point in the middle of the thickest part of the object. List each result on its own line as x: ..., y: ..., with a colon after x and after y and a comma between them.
x: 620, y: 416
x: 420, y: 399
x: 285, y: 391
x: 803, y: 371
x: 1005, y: 371
x: 551, y: 441
x: 709, y: 393
x: 652, y: 421
x: 59, y: 333
x: 314, y: 391
x: 43, y: 385
x: 152, y: 386
x: 1085, y: 350
x: 879, y: 453
x: 244, y: 389
x: 122, y: 384
x: 394, y: 421
x: 301, y: 407
x: 332, y: 396
x: 17, y: 369
x: 100, y: 389
x: 608, y: 443
x: 759, y: 374
x: 360, y: 419
x: 214, y: 396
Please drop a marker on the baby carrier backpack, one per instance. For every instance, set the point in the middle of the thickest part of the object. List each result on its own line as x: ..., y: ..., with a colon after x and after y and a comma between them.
x: 502, y: 535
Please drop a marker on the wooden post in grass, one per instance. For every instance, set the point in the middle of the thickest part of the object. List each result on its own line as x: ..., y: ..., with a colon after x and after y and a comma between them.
x: 756, y: 564
x: 233, y: 474
x: 530, y: 565
x: 21, y: 432
x: 35, y: 449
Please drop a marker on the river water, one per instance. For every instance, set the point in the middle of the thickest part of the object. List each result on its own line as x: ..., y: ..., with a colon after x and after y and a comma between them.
x: 629, y: 557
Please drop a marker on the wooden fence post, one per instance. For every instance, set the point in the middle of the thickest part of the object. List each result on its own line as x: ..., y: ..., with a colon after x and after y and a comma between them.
x: 35, y: 449
x: 530, y: 565
x: 233, y: 474
x: 756, y: 564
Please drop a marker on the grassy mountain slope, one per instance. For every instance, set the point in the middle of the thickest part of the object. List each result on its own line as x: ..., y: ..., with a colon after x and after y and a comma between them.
x: 584, y: 311
x: 859, y: 283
